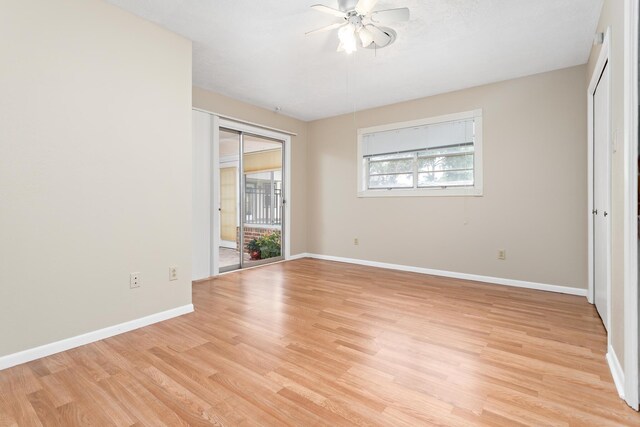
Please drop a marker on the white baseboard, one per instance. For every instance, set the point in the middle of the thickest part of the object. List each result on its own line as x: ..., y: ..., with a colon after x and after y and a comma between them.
x: 487, y: 279
x: 616, y: 371
x: 79, y: 340
x: 298, y: 256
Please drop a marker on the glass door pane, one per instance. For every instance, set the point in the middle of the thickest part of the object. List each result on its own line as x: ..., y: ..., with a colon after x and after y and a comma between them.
x: 229, y: 208
x: 263, y: 191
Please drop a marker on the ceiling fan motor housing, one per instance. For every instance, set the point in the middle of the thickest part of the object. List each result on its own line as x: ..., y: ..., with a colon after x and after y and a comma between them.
x: 353, y: 18
x: 360, y: 24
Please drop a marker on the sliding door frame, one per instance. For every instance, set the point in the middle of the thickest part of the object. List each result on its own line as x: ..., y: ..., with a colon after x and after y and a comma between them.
x: 217, y: 227
x: 285, y: 185
x: 214, y: 208
x: 254, y: 130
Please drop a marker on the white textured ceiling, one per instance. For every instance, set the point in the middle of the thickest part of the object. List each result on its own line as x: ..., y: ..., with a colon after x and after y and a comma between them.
x: 256, y: 50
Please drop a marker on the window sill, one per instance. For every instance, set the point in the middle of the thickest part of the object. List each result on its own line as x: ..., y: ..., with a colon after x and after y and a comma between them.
x: 423, y: 192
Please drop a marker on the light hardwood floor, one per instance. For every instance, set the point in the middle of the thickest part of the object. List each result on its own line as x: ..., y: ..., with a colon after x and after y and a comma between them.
x: 311, y: 342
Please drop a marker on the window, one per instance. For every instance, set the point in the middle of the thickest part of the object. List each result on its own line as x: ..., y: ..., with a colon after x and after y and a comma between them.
x: 438, y: 156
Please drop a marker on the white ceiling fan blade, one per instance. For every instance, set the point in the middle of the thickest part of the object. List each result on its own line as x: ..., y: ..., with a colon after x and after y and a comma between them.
x: 390, y: 15
x: 380, y: 38
x: 329, y: 10
x: 366, y: 38
x: 365, y: 6
x: 327, y: 28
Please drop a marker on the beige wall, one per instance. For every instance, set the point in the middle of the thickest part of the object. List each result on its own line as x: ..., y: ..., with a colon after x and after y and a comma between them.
x: 95, y: 175
x: 534, y: 198
x: 613, y: 17
x: 223, y: 105
x: 95, y: 169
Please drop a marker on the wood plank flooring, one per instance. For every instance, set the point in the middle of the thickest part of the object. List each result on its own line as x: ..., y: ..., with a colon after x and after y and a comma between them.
x: 312, y: 342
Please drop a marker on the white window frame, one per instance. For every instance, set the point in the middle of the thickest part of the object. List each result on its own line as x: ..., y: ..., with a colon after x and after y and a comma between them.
x: 475, y: 190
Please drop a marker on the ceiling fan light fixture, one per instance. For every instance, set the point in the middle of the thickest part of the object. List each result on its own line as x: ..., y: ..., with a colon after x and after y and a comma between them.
x: 366, y: 38
x: 347, y: 36
x: 360, y: 24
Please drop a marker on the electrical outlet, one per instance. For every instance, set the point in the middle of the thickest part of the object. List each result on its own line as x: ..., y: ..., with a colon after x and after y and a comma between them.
x: 135, y: 280
x: 355, y: 241
x: 502, y: 254
x: 173, y: 273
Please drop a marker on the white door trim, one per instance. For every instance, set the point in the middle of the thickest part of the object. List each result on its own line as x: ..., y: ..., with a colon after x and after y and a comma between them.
x: 215, y: 196
x: 631, y: 360
x: 201, y: 195
x: 236, y: 120
x: 603, y: 61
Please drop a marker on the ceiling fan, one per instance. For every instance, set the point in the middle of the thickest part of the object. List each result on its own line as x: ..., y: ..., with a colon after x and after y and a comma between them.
x: 359, y: 23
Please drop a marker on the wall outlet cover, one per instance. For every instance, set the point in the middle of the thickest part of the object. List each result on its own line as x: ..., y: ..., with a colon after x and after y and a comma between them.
x: 135, y: 280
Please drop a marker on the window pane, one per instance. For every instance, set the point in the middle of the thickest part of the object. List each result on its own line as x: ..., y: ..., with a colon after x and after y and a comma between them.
x: 458, y: 149
x: 428, y: 164
x: 391, y: 181
x: 445, y: 178
x: 390, y: 166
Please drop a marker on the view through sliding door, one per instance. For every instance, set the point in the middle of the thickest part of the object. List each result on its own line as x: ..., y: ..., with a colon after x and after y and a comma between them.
x: 262, y: 199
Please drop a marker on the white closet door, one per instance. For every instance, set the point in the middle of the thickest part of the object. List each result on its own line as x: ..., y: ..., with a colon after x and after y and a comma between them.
x: 201, y: 195
x: 601, y: 187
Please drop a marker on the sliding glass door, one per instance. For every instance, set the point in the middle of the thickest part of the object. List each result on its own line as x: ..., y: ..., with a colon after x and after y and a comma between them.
x: 230, y: 251
x: 240, y: 194
x: 262, y: 199
x: 251, y: 199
